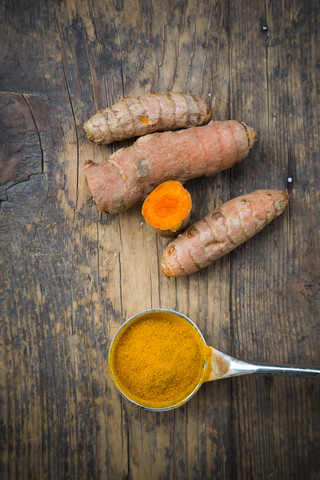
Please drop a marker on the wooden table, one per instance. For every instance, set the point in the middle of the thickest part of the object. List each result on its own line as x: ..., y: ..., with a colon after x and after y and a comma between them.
x: 71, y: 275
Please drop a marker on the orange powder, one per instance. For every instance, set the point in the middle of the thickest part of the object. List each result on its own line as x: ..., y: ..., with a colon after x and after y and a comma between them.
x: 158, y: 362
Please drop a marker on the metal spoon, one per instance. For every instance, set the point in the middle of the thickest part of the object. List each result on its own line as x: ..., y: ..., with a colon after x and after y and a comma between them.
x: 222, y: 365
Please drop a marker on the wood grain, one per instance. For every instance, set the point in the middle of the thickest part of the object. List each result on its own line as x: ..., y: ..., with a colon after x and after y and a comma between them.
x: 71, y: 275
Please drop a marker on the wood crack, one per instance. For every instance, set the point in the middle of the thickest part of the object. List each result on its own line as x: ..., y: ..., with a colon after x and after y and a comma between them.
x: 37, y: 130
x: 214, y: 73
x: 206, y: 48
x: 73, y: 116
x: 192, y: 55
x: 24, y: 92
x: 267, y: 78
x: 98, y: 256
x: 19, y: 182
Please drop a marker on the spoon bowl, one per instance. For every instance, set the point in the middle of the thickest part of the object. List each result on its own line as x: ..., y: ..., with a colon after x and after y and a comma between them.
x: 154, y: 314
x: 218, y: 366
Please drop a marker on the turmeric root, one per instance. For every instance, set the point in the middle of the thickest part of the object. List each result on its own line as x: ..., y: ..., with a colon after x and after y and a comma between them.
x: 167, y: 208
x: 133, y: 117
x: 130, y: 174
x: 221, y: 231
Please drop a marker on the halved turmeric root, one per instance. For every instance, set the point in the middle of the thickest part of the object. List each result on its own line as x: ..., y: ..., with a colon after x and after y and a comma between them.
x: 167, y: 208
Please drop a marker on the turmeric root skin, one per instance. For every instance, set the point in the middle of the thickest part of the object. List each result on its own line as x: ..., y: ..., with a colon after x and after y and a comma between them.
x: 221, y: 231
x: 130, y: 174
x: 133, y: 117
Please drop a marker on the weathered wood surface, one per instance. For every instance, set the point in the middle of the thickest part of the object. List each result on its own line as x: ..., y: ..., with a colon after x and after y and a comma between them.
x: 70, y: 275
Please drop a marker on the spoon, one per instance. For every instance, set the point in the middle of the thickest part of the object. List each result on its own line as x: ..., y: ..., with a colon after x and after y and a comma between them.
x: 221, y: 365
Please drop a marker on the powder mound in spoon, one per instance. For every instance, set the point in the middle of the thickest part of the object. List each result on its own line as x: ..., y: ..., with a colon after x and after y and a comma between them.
x: 158, y: 362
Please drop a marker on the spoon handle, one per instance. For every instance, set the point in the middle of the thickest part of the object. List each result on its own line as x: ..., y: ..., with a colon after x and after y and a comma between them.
x: 238, y: 367
x: 287, y: 370
x: 224, y: 366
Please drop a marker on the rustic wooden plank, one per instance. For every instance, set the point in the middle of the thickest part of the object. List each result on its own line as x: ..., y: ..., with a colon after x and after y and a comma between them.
x: 273, y: 321
x: 198, y: 453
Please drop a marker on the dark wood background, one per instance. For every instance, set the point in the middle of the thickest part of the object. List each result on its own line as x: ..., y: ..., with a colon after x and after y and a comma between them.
x: 70, y: 275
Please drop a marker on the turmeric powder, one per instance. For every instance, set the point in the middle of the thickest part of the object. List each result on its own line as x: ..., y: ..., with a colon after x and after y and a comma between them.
x: 158, y: 361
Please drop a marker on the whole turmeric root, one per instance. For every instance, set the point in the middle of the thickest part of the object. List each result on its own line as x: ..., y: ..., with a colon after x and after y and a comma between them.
x: 221, y: 231
x: 130, y: 174
x: 133, y: 117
